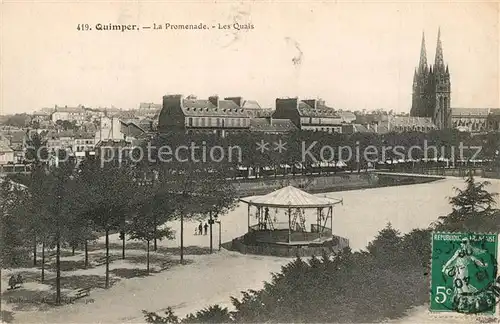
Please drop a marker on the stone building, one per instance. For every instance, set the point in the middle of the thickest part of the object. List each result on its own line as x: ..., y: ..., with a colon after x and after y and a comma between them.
x: 212, y: 115
x: 432, y: 88
x: 72, y: 114
x: 312, y: 115
x: 476, y: 120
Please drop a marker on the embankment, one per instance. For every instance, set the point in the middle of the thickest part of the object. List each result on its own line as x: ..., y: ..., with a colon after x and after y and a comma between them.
x: 329, y: 183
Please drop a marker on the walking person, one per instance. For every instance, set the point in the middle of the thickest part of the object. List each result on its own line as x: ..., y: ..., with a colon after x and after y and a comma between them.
x: 200, y: 228
x: 12, y: 282
x: 19, y: 279
x: 206, y: 228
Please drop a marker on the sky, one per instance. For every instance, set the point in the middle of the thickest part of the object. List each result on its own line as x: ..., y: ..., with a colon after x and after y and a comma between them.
x: 353, y: 55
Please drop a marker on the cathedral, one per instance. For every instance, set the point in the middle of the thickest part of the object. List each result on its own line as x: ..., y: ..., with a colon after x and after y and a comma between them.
x: 431, y: 88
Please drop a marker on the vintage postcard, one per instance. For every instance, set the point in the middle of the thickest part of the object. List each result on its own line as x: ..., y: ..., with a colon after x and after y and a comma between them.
x: 249, y: 161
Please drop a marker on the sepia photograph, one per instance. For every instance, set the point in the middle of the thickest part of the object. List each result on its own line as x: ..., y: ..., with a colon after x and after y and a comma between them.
x: 249, y: 161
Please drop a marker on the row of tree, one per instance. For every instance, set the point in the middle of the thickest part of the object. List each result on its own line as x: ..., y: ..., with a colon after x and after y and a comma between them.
x: 70, y: 205
x: 383, y: 282
x: 302, y: 150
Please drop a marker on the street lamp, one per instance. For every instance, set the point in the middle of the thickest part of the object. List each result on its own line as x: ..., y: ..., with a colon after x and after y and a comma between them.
x: 220, y: 231
x: 211, y: 221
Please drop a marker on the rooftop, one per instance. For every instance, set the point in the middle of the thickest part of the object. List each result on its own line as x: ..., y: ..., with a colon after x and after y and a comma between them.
x: 321, y: 110
x: 201, y: 107
x: 271, y: 125
x: 79, y: 109
x: 358, y: 128
x: 149, y: 105
x: 411, y: 121
x: 251, y: 104
x: 4, y: 147
x: 291, y: 197
x: 479, y: 112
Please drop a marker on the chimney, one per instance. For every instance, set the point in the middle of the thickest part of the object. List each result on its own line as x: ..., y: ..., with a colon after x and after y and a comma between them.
x: 237, y: 100
x: 214, y: 100
x: 172, y: 101
x: 284, y: 105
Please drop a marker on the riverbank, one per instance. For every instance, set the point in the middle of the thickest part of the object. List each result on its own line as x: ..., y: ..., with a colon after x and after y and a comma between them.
x: 322, y: 183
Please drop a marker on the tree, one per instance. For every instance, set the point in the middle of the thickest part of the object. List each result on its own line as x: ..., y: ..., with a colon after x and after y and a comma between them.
x: 385, y: 244
x: 13, y: 234
x: 18, y: 120
x: 191, y: 180
x: 473, y: 209
x: 50, y: 195
x: 211, y: 314
x: 108, y: 190
x: 143, y: 225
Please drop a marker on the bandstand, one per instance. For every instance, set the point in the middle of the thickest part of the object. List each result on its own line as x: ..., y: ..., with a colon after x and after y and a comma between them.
x: 289, y: 222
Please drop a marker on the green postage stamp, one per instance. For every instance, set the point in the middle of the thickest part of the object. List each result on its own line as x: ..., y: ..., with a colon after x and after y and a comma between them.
x: 464, y: 276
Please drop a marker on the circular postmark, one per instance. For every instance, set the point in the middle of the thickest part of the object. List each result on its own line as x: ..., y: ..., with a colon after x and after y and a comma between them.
x: 469, y: 275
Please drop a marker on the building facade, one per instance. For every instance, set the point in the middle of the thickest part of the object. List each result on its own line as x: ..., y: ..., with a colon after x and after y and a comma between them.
x: 72, y: 114
x: 213, y: 115
x: 410, y: 124
x: 432, y: 88
x: 6, y: 154
x: 476, y: 120
x: 115, y: 130
x: 312, y: 115
x: 83, y: 143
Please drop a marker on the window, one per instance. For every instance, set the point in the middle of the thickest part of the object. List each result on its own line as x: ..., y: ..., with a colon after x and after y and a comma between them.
x: 203, y: 121
x: 190, y: 121
x: 239, y: 121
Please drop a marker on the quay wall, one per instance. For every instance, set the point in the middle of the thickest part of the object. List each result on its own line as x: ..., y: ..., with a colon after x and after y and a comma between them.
x: 329, y: 183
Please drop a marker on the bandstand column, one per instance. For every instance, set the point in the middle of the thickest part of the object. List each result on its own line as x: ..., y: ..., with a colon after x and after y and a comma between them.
x: 289, y: 225
x: 331, y: 220
x: 248, y: 215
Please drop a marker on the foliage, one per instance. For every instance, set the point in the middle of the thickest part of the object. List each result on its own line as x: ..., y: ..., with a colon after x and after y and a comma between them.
x: 143, y: 224
x: 349, y: 287
x: 386, y: 244
x: 169, y: 317
x: 473, y: 209
x: 211, y: 314
x: 36, y: 149
x: 67, y: 125
x: 18, y: 120
x: 13, y: 236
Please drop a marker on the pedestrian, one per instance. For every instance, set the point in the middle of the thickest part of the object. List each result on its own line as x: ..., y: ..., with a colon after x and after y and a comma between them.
x: 19, y: 279
x: 200, y: 228
x: 12, y: 282
x: 206, y: 228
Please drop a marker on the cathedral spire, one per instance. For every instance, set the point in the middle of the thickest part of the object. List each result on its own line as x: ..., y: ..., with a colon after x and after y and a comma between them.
x: 439, y: 61
x: 422, y: 67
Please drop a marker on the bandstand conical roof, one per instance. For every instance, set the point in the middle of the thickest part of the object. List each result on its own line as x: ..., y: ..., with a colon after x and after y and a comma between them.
x: 290, y: 197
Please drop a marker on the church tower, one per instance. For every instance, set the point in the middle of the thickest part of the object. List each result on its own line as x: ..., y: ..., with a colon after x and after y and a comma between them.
x: 432, y: 88
x: 442, y: 89
x: 420, y: 84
